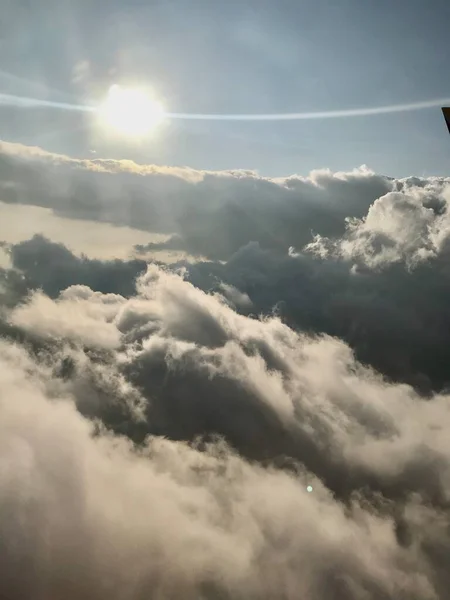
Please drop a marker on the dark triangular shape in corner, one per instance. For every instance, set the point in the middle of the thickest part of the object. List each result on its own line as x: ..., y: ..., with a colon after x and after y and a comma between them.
x: 446, y: 113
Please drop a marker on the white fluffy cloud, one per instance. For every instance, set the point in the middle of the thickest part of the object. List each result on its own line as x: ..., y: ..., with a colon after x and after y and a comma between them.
x: 78, y: 314
x: 411, y: 225
x: 89, y: 515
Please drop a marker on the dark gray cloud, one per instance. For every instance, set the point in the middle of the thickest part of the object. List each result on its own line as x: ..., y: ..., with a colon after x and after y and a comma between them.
x: 210, y: 214
x: 395, y: 319
x: 53, y: 268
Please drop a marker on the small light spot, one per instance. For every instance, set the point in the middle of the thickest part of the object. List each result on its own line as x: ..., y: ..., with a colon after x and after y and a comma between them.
x: 309, y: 488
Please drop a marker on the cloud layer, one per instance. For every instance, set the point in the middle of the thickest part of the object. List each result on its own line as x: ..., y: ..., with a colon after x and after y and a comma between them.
x: 83, y: 513
x: 211, y: 214
x: 160, y: 425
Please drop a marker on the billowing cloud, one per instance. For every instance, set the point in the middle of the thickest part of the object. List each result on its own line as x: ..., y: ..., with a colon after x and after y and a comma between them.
x: 84, y: 513
x: 353, y: 255
x: 410, y: 225
x: 213, y: 214
x: 210, y: 214
x: 268, y: 422
x: 394, y: 316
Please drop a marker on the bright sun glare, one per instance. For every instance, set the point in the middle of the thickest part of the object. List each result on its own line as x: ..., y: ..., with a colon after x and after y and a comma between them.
x: 131, y: 111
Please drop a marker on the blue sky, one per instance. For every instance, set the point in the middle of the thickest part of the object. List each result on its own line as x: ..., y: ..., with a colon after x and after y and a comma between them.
x: 237, y: 57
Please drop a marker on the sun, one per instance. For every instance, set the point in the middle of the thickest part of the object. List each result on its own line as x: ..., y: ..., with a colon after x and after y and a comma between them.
x: 131, y: 112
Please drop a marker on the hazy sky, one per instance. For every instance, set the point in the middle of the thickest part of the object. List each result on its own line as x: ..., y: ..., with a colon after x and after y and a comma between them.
x: 236, y: 57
